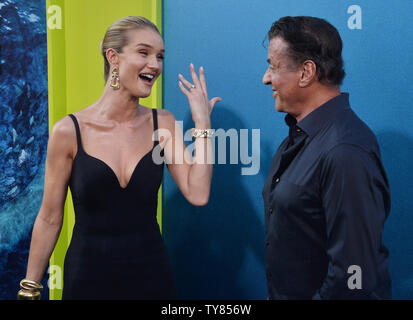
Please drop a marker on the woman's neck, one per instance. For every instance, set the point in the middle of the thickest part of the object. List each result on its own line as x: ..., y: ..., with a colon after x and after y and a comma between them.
x: 117, y: 105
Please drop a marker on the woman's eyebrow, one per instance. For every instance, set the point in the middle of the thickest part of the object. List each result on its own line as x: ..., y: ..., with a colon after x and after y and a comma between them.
x: 144, y: 44
x: 148, y: 46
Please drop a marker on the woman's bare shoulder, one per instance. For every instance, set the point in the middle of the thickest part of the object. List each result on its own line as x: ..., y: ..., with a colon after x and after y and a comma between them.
x: 63, y: 135
x: 65, y: 127
x: 165, y: 113
x: 166, y: 118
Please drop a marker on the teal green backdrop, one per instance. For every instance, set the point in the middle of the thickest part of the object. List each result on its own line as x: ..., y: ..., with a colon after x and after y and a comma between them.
x: 218, y: 250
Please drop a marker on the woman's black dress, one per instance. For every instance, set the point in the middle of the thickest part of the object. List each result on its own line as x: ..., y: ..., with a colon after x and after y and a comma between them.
x: 116, y: 251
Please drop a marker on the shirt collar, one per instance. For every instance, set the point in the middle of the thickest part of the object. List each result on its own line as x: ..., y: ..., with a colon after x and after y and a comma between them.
x: 319, y: 117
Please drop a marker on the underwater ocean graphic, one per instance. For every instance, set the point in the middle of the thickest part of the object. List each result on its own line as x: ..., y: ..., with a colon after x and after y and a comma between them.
x: 23, y: 134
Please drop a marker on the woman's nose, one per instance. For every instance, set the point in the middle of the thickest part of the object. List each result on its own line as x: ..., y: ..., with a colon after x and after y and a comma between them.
x: 154, y: 62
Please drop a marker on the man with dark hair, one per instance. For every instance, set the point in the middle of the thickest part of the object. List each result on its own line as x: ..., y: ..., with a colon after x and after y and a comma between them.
x: 326, y: 197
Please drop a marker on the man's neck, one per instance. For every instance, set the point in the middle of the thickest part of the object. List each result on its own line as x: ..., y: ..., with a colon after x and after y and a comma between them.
x: 316, y: 99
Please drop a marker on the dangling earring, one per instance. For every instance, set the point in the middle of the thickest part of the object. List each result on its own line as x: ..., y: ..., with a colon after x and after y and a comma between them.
x: 114, y: 79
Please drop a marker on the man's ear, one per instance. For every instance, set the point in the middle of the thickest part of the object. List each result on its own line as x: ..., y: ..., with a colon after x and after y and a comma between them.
x: 112, y: 56
x: 308, y: 73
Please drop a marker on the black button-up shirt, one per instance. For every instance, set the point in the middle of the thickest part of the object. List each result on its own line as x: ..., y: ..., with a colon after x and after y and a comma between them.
x: 326, y: 199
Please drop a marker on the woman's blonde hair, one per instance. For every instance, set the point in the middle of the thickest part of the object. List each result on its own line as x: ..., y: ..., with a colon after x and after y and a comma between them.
x: 116, y: 36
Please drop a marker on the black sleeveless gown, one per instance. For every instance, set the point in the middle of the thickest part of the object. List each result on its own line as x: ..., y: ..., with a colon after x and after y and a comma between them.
x: 116, y: 251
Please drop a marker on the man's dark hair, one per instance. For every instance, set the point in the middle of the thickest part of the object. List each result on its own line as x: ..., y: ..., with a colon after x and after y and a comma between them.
x: 315, y: 39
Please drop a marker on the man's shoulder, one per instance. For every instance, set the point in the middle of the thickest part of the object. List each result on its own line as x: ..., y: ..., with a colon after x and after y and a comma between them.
x: 349, y: 130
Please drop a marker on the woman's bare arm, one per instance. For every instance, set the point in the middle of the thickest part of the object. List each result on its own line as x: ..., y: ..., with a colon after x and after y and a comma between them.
x: 48, y: 223
x: 192, y: 174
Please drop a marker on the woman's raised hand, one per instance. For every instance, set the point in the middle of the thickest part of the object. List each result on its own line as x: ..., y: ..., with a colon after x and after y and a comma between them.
x: 197, y: 95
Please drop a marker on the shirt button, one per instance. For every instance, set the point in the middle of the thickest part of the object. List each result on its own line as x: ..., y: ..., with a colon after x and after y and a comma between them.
x: 298, y: 130
x: 276, y: 180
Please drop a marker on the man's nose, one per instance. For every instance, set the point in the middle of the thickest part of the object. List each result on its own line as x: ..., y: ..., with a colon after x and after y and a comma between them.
x: 266, y: 78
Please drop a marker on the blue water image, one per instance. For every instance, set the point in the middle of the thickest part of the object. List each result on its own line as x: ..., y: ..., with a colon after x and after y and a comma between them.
x: 23, y: 133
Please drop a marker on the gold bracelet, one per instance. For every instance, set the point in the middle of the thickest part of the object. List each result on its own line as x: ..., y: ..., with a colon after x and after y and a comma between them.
x: 28, y: 295
x: 31, y: 285
x: 202, y: 133
x: 30, y: 290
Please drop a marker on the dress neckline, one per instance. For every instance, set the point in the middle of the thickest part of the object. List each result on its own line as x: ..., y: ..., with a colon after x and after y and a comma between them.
x: 113, y: 173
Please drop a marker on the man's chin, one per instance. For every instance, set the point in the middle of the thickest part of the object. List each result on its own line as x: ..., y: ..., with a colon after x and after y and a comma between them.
x: 278, y: 107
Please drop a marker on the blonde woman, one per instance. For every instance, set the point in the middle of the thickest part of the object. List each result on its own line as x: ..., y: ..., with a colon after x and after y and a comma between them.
x: 105, y: 154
